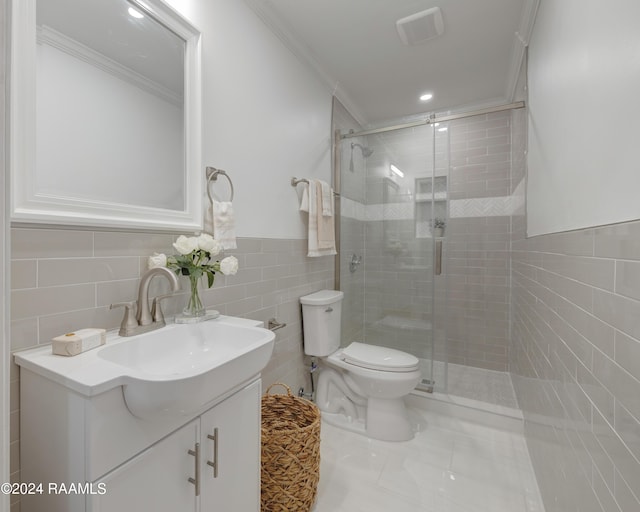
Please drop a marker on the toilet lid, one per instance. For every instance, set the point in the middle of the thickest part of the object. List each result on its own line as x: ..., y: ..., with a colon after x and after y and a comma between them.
x: 379, y: 358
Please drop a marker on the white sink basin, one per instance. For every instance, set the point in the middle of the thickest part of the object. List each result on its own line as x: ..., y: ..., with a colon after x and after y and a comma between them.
x: 179, y: 351
x: 179, y: 369
x: 175, y: 371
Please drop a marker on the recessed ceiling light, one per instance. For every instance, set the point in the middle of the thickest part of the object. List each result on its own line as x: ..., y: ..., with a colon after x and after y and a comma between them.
x: 426, y: 96
x: 135, y: 13
x: 396, y: 171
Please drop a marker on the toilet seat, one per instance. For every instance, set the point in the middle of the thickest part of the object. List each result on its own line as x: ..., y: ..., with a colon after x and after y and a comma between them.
x: 374, y: 357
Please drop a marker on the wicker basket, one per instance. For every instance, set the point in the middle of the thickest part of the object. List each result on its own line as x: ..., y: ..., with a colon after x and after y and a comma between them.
x: 290, y: 452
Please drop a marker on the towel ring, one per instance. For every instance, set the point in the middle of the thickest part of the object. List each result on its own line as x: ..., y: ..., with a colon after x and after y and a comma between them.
x: 212, y: 175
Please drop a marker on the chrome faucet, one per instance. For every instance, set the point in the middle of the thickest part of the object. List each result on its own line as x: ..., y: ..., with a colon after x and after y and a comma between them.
x: 146, y: 319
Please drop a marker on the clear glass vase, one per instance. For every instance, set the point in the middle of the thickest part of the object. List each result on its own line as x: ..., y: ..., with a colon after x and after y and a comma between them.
x: 194, y: 307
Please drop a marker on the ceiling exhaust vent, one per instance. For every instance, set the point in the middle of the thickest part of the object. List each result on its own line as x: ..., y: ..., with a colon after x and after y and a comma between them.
x: 420, y: 27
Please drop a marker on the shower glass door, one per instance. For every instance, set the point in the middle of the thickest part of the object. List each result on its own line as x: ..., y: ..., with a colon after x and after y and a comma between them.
x: 393, y: 204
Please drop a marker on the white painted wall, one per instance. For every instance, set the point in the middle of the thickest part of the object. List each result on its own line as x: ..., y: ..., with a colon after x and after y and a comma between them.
x: 117, y: 128
x: 266, y: 117
x: 584, y: 78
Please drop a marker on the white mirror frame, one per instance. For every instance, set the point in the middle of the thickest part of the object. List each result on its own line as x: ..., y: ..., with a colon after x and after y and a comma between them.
x: 27, y: 207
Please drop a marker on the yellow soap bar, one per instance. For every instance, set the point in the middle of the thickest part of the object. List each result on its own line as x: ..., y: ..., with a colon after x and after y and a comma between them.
x: 74, y: 343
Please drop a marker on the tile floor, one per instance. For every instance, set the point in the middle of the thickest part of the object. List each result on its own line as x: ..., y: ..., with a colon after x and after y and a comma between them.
x: 450, y: 466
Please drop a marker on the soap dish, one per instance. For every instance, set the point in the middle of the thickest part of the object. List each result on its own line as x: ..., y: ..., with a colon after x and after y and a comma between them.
x: 209, y: 315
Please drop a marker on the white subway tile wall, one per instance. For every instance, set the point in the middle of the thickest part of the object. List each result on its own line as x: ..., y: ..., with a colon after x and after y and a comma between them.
x: 66, y: 279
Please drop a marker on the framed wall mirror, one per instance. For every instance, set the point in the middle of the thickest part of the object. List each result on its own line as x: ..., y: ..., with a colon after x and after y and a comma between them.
x: 105, y: 115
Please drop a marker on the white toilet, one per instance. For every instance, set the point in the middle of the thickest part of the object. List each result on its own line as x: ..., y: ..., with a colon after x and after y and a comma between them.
x: 360, y: 387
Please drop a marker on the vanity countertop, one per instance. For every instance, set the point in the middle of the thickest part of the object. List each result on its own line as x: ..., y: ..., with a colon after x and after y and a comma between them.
x: 90, y: 374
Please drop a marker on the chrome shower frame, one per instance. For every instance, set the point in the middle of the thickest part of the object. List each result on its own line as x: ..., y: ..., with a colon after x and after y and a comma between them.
x: 426, y: 384
x: 338, y: 137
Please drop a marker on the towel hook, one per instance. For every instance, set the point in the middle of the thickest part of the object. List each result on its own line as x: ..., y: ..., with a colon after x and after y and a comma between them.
x: 212, y: 175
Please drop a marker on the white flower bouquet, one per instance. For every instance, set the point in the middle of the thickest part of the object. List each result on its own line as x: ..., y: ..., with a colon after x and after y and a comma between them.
x: 196, y: 258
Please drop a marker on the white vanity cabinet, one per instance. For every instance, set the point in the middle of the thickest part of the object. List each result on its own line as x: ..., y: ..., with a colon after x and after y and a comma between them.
x: 235, y: 425
x: 224, y: 442
x: 168, y: 420
x: 157, y: 479
x: 135, y: 464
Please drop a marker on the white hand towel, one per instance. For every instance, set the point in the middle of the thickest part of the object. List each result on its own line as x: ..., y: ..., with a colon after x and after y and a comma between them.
x: 304, y: 200
x: 326, y: 230
x: 224, y: 224
x: 316, y: 246
x: 208, y: 220
x: 327, y: 196
x: 327, y: 199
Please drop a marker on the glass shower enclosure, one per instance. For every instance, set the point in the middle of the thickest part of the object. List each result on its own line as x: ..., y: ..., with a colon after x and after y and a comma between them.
x: 393, y: 217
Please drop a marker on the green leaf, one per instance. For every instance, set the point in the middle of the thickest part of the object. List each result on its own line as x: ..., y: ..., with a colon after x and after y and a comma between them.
x: 210, y: 278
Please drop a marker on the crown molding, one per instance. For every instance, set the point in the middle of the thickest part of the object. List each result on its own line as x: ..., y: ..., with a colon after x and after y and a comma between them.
x: 520, y: 42
x: 288, y: 36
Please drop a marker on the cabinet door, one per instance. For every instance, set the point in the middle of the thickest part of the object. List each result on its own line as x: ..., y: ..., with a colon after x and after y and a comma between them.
x: 235, y: 423
x: 156, y: 480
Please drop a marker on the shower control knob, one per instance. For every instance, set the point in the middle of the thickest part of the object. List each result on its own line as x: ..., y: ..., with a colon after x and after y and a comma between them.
x: 354, y: 263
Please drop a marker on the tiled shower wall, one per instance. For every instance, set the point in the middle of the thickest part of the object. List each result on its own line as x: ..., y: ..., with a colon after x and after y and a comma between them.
x: 63, y: 280
x: 351, y: 226
x: 398, y: 296
x: 477, y: 238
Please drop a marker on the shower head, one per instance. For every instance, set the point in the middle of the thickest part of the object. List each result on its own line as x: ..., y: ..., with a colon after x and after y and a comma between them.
x: 366, y: 152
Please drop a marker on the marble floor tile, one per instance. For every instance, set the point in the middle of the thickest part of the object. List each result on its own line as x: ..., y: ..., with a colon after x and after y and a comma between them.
x: 451, y: 465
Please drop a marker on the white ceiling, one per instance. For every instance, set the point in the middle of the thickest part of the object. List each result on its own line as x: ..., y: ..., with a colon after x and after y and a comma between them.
x: 355, y: 46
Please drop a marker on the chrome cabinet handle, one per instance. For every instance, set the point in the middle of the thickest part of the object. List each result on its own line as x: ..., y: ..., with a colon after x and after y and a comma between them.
x: 214, y: 463
x: 438, y: 265
x: 196, y: 481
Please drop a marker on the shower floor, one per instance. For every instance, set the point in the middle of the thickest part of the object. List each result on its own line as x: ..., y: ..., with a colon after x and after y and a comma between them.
x: 473, y: 383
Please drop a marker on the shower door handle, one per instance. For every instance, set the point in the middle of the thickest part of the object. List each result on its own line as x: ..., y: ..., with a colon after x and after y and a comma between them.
x: 438, y: 264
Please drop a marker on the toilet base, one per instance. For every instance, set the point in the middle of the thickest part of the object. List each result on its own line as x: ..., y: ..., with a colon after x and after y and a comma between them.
x: 388, y: 420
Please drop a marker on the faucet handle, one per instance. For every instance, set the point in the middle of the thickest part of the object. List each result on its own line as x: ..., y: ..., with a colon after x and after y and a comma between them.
x: 156, y: 310
x: 129, y: 321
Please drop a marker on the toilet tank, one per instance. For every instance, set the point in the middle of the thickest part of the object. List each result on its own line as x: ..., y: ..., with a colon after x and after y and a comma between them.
x: 321, y: 317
